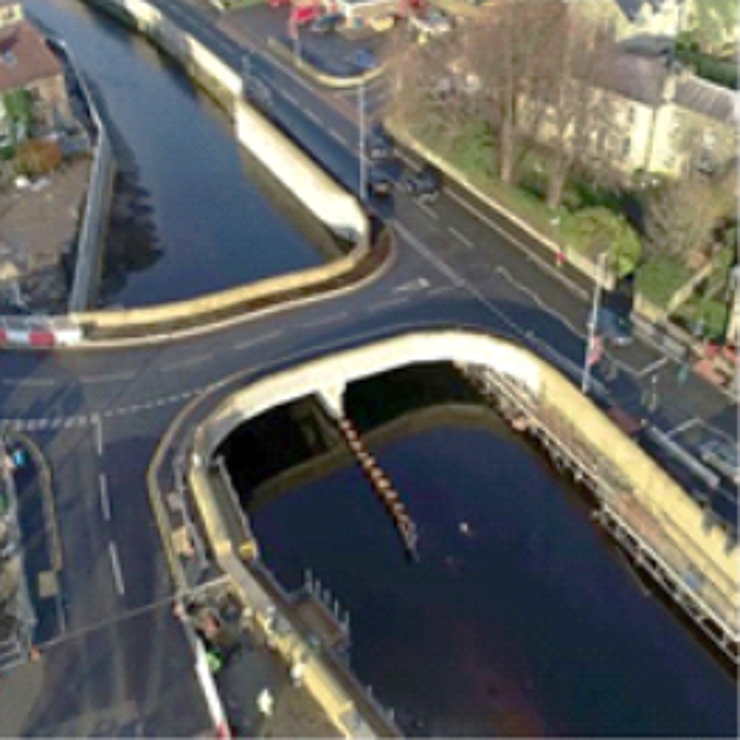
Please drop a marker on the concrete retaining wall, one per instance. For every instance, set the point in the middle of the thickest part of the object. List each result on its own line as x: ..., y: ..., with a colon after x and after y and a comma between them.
x: 319, y: 193
x: 90, y: 242
x: 221, y: 301
x: 194, y: 55
x: 330, y: 203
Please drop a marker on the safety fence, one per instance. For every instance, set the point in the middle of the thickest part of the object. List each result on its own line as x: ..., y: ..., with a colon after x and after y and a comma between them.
x: 38, y: 332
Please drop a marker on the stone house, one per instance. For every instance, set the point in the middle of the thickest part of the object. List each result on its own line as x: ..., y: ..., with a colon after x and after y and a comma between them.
x: 29, y: 66
x: 657, y: 120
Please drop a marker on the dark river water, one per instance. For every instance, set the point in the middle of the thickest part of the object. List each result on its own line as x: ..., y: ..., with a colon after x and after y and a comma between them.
x: 192, y: 213
x: 518, y: 620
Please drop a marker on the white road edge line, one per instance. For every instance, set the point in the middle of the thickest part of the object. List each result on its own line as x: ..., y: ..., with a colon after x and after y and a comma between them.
x: 313, y: 116
x: 116, y: 566
x: 258, y: 340
x: 108, y: 377
x: 422, y: 248
x: 387, y: 304
x: 460, y: 237
x: 543, y: 264
x: 338, y: 137
x: 429, y: 211
x: 652, y: 367
x: 331, y: 319
x: 29, y: 381
x: 186, y: 363
x: 104, y: 500
x: 683, y: 426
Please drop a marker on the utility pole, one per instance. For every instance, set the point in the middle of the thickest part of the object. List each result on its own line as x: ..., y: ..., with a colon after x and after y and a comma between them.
x: 600, y: 275
x: 363, y: 162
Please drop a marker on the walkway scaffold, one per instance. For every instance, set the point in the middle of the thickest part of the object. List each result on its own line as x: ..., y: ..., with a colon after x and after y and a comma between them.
x: 382, y: 485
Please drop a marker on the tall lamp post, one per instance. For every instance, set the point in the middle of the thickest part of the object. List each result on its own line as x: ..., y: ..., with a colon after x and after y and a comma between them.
x: 363, y: 162
x: 592, y: 322
x: 294, y: 33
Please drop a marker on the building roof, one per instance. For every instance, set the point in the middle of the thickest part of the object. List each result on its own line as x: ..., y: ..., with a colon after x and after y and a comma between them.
x: 713, y: 101
x: 631, y: 8
x: 25, y: 57
x: 636, y: 77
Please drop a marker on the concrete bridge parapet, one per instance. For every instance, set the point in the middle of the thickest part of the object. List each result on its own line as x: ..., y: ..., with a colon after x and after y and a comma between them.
x: 332, y: 399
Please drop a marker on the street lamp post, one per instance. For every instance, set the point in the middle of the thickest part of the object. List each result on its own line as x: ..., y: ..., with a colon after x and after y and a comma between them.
x: 593, y: 319
x: 297, y: 47
x: 363, y: 162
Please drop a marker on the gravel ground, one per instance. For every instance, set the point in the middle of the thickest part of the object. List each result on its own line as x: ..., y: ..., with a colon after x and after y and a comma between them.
x: 37, y: 225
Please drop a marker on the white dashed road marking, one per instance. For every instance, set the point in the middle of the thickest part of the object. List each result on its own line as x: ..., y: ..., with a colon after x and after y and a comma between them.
x: 188, y: 362
x: 257, y: 340
x: 323, y: 320
x: 104, y: 500
x: 338, y: 137
x: 116, y: 566
x: 460, y: 237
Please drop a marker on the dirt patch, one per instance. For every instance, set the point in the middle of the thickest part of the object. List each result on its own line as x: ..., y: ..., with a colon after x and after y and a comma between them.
x: 38, y: 226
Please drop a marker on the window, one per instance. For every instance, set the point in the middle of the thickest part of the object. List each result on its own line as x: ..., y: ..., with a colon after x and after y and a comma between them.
x: 626, y: 146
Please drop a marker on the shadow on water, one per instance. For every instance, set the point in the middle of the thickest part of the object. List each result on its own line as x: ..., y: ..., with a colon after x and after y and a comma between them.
x: 131, y: 243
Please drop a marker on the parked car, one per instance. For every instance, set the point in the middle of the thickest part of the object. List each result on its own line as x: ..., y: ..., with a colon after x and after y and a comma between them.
x: 615, y: 328
x: 722, y: 455
x: 424, y: 185
x: 364, y: 60
x: 382, y: 23
x: 380, y: 181
x: 303, y: 14
x: 431, y: 23
x: 259, y: 92
x: 326, y: 23
x: 378, y: 144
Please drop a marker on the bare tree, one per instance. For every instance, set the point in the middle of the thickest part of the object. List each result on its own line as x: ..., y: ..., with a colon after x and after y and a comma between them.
x: 423, y: 85
x: 579, y: 115
x: 503, y: 50
x: 680, y: 218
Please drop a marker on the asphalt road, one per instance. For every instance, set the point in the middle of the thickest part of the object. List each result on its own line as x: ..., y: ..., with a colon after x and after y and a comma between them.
x: 119, y: 663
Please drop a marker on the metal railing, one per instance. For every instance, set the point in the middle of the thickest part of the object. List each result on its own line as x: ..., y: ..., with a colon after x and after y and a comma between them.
x: 698, y: 586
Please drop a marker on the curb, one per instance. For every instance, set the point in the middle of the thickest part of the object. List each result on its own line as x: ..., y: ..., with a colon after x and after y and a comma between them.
x: 309, y: 70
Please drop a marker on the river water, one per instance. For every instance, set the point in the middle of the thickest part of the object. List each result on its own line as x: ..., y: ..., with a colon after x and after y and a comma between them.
x: 518, y: 620
x: 193, y: 214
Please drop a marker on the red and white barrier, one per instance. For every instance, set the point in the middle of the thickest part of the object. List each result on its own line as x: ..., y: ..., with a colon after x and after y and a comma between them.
x: 38, y: 333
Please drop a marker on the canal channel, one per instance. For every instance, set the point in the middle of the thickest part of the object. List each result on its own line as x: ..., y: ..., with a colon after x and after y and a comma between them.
x: 520, y: 618
x: 192, y: 213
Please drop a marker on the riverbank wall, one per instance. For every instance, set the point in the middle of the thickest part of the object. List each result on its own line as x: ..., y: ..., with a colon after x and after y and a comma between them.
x: 338, y: 210
x: 94, y: 223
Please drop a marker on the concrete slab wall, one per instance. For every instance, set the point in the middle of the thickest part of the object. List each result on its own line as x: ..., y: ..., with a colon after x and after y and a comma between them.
x: 321, y: 194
